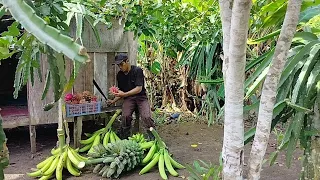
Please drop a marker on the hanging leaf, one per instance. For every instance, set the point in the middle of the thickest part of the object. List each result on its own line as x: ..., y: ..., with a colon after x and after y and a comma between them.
x: 156, y: 68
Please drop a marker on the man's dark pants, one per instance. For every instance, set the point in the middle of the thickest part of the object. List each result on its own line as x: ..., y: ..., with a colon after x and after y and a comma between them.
x: 130, y: 104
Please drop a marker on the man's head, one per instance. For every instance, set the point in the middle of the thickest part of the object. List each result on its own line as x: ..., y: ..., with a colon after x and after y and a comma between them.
x: 122, y: 61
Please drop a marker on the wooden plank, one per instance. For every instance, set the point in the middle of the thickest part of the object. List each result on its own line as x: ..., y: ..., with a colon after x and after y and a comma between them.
x: 132, y: 48
x: 101, y: 75
x: 112, y: 40
x: 35, y: 105
x: 33, y: 144
x: 77, y: 131
x: 111, y: 70
x: 83, y: 81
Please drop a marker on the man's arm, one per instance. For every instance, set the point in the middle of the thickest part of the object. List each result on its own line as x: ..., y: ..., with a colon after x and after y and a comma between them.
x: 132, y: 92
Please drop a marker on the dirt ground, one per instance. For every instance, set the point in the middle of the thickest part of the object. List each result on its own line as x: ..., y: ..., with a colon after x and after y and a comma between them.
x: 178, y: 138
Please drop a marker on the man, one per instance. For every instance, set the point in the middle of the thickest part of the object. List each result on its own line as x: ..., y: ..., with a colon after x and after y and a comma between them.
x: 130, y: 80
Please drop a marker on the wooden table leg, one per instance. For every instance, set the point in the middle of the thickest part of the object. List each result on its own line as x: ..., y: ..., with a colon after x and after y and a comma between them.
x: 77, y: 131
x: 32, y: 133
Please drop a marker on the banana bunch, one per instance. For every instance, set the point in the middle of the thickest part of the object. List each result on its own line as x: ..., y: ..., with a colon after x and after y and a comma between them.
x: 139, y: 138
x: 115, y: 158
x: 158, y: 154
x: 65, y: 157
x: 101, y: 136
x: 98, y: 137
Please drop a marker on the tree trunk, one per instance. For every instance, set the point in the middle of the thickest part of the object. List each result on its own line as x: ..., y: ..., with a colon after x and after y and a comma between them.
x: 225, y: 13
x: 234, y: 88
x: 311, y: 162
x: 268, y: 96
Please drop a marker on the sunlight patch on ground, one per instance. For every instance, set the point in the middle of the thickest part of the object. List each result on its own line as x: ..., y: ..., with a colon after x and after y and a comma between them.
x: 13, y: 176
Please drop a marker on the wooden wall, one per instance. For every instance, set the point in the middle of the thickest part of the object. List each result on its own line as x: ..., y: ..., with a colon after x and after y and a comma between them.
x: 100, y: 68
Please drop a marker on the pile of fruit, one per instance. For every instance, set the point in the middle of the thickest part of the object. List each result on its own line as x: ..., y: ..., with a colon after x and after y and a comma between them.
x: 102, y: 136
x: 60, y: 158
x: 80, y: 98
x: 109, y: 156
x: 115, y: 158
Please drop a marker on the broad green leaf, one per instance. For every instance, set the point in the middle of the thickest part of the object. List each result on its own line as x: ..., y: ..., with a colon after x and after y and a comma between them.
x: 156, y: 67
x: 309, y: 13
x: 264, y: 38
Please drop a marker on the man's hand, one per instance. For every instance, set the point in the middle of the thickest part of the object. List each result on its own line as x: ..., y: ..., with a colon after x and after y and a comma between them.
x: 120, y: 94
x: 109, y: 102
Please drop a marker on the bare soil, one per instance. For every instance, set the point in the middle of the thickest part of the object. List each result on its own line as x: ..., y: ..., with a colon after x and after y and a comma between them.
x: 178, y: 138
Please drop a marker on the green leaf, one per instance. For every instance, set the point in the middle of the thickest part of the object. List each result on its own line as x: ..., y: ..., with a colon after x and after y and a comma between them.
x: 309, y: 13
x: 306, y: 69
x: 2, y: 11
x: 257, y: 83
x: 273, y: 157
x: 94, y: 28
x: 264, y: 64
x: 79, y: 24
x: 304, y: 37
x: 156, y: 68
x: 298, y: 58
x: 264, y: 38
x: 249, y: 135
x: 13, y: 30
x: 299, y: 108
x: 23, y: 13
x: 47, y: 85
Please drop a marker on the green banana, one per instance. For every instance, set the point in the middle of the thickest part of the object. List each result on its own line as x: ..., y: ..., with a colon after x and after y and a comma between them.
x: 47, y: 166
x: 77, y: 155
x: 55, y: 151
x: 106, y: 139
x: 97, y: 168
x: 74, y: 160
x: 175, y: 163
x: 52, y: 167
x: 161, y: 166
x: 85, y: 148
x: 146, y: 145
x: 43, y: 163
x: 151, y: 164
x: 168, y: 164
x: 112, y: 139
x: 60, y: 165
x: 47, y: 177
x: 71, y: 169
x: 150, y: 154
x: 35, y: 173
x: 95, y: 142
x: 90, y: 139
x: 116, y: 137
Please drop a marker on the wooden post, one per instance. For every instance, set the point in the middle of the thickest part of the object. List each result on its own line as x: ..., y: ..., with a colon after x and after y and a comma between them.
x: 32, y: 133
x: 77, y: 131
